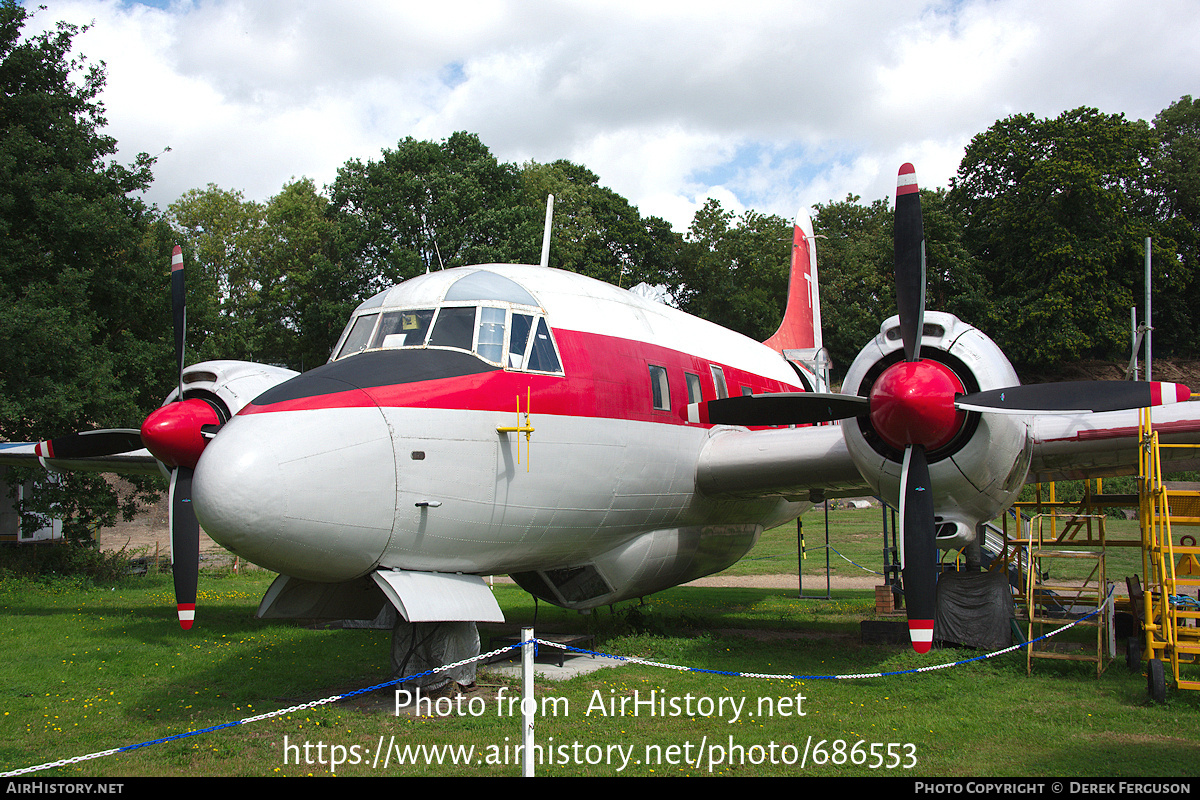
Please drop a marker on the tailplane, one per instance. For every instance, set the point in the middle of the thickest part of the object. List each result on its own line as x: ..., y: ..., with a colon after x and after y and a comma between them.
x: 799, y: 335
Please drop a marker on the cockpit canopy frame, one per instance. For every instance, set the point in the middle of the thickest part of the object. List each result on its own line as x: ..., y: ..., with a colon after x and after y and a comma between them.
x: 482, y: 313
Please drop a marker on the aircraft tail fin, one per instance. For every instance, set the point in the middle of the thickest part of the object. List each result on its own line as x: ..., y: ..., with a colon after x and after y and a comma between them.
x: 799, y: 335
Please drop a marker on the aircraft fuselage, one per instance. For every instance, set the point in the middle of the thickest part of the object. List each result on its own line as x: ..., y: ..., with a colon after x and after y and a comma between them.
x: 406, y: 436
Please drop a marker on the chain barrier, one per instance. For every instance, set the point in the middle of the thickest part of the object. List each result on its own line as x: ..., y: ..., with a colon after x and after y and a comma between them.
x: 535, y: 641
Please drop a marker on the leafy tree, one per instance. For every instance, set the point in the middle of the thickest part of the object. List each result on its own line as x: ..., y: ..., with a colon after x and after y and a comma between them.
x: 734, y: 271
x: 311, y: 292
x: 856, y: 274
x: 223, y: 237
x: 1176, y: 238
x: 1055, y: 213
x: 428, y: 205
x: 596, y: 231
x: 84, y: 313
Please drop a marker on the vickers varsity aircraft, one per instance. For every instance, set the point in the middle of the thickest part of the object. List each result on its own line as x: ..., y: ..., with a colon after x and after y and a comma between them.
x: 596, y: 446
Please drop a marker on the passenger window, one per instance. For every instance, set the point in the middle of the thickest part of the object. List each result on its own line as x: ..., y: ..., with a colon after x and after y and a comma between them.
x: 660, y: 390
x: 695, y: 395
x: 455, y: 327
x: 360, y: 335
x: 542, y: 357
x: 719, y: 381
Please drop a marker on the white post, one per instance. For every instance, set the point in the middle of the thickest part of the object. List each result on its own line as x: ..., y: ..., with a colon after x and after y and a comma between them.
x: 527, y: 702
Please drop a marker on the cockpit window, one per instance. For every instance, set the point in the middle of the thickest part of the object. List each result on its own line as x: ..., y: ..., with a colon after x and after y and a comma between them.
x: 518, y: 338
x: 542, y: 357
x: 455, y: 327
x: 499, y: 335
x: 403, y: 328
x: 359, y: 336
x: 491, y: 334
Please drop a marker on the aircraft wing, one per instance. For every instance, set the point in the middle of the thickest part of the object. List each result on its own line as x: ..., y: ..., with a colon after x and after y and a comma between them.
x: 810, y: 462
x: 798, y: 463
x: 24, y: 454
x: 1102, y: 445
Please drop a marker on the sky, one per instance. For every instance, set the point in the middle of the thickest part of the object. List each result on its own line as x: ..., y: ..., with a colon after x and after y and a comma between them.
x: 763, y: 105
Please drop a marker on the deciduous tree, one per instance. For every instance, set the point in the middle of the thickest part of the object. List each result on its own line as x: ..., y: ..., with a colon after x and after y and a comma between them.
x: 84, y: 313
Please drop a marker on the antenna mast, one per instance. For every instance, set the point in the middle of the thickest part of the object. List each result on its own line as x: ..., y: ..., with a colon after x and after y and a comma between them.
x: 546, y: 233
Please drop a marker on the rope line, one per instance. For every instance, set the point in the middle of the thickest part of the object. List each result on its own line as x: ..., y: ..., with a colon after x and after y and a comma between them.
x: 259, y: 717
x: 535, y: 641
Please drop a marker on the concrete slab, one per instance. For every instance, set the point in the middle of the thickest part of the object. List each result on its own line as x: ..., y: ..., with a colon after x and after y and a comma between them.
x: 546, y: 664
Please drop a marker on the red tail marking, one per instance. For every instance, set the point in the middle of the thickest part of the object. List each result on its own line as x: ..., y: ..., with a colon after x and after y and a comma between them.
x: 800, y: 328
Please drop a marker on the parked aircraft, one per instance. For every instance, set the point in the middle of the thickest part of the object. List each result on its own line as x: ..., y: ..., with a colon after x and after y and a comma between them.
x: 594, y: 445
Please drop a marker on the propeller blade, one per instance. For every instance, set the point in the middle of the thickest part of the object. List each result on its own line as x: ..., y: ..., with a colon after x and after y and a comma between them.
x: 918, y: 551
x: 910, y: 262
x: 783, y: 408
x: 185, y: 545
x: 178, y: 309
x: 90, y: 444
x: 1074, y: 397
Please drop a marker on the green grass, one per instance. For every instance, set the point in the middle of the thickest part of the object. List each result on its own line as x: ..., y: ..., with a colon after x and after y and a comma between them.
x: 93, y: 667
x: 856, y: 547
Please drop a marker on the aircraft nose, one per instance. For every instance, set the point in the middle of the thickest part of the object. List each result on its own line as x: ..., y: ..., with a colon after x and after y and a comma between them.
x: 309, y: 493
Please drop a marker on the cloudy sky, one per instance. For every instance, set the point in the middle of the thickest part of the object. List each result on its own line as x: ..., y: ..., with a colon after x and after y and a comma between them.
x: 763, y: 105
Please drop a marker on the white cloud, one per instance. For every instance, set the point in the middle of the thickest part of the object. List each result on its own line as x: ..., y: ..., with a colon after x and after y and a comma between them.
x: 766, y: 105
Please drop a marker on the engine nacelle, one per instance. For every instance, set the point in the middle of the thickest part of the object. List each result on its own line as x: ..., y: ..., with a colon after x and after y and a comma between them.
x: 229, y: 385
x: 978, y: 471
x: 213, y: 392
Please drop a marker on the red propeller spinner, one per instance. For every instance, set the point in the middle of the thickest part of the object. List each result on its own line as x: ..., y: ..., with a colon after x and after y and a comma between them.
x: 912, y: 402
x: 173, y: 433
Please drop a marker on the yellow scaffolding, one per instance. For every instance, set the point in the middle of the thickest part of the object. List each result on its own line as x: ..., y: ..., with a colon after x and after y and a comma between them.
x: 1050, y: 602
x: 1168, y: 616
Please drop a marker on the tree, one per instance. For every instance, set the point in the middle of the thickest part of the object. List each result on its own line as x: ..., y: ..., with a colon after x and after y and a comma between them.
x: 223, y: 237
x: 430, y: 205
x: 734, y: 270
x: 1176, y: 238
x: 310, y: 293
x: 1056, y: 214
x: 84, y: 314
x: 264, y: 280
x: 596, y: 231
x: 856, y: 274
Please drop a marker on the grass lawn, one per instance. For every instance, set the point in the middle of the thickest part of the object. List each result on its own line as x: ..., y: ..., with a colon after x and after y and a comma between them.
x: 88, y: 668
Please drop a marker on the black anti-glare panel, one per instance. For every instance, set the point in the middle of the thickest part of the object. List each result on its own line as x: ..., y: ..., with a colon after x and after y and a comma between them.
x: 376, y: 368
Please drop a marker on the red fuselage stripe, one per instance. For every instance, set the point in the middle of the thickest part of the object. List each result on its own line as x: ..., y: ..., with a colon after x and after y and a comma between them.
x: 605, y: 377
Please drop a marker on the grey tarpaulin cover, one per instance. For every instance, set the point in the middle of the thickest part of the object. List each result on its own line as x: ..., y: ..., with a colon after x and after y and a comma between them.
x: 974, y: 609
x: 436, y: 643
